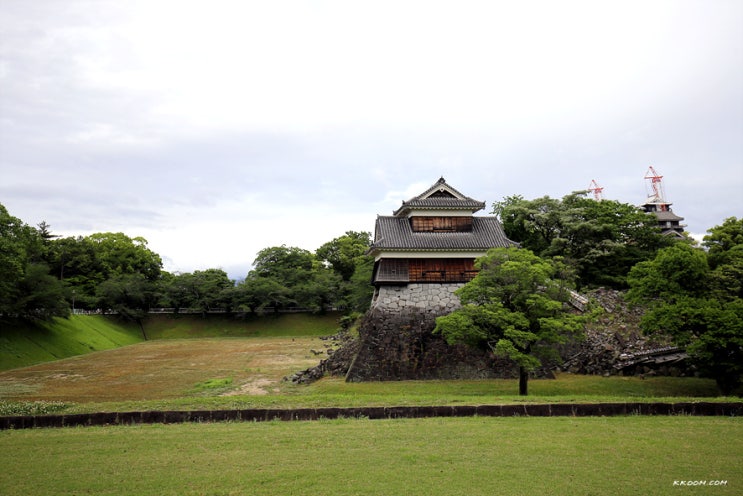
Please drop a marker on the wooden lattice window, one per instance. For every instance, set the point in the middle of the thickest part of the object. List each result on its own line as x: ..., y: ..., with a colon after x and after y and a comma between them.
x: 392, y: 270
x: 442, y: 270
x: 441, y: 224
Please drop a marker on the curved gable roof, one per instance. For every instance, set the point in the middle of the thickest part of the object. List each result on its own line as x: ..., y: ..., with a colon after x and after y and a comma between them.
x: 440, y: 196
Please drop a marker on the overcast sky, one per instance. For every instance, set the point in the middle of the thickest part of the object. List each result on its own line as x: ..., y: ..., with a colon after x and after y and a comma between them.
x: 217, y: 128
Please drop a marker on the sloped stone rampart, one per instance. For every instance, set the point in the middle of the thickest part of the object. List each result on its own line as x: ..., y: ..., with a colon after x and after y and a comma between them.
x: 401, y: 346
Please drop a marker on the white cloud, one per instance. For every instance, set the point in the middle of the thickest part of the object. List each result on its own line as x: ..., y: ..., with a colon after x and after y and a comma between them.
x: 217, y: 129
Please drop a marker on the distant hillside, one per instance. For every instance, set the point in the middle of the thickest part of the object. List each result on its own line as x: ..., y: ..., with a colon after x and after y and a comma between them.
x: 26, y: 344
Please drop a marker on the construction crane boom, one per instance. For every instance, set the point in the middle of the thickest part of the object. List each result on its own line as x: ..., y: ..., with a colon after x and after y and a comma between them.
x: 656, y: 185
x: 596, y: 190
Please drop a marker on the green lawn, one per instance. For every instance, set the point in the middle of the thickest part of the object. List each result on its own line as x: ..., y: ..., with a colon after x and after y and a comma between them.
x: 442, y: 456
x: 468, y: 456
x: 334, y: 392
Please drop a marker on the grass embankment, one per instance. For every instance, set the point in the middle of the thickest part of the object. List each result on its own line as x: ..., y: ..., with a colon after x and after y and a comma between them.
x: 444, y: 456
x: 215, y: 325
x: 24, y: 344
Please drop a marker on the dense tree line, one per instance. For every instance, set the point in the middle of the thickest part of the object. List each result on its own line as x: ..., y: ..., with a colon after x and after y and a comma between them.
x: 694, y: 294
x: 600, y: 240
x: 43, y: 276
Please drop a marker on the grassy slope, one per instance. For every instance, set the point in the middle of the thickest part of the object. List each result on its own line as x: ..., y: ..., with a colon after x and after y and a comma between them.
x: 191, y: 326
x: 26, y: 344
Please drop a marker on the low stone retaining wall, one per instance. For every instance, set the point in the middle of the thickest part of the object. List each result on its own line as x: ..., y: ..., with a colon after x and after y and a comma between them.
x: 259, y: 415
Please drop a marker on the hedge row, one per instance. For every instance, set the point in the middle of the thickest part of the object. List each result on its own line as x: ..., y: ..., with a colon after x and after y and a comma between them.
x: 258, y: 415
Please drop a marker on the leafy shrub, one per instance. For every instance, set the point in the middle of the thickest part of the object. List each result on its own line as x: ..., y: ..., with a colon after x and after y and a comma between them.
x: 31, y: 407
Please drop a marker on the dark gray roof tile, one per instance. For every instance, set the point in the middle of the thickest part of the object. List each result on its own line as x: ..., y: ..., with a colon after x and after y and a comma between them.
x: 395, y: 233
x: 431, y: 199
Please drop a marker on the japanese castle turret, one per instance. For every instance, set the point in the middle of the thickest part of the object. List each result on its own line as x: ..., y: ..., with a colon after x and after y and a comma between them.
x: 656, y: 204
x: 669, y: 222
x: 427, y: 248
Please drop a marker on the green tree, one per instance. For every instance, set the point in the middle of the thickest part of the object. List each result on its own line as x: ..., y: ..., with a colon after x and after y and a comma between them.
x: 515, y: 306
x: 26, y: 289
x: 288, y: 264
x: 346, y: 255
x: 288, y: 277
x: 41, y: 294
x: 73, y: 260
x: 532, y: 223
x: 726, y: 279
x: 129, y: 295
x: 361, y: 290
x: 83, y: 263
x: 13, y: 260
x: 676, y: 271
x: 204, y: 290
x: 322, y: 290
x: 723, y: 238
x: 119, y: 254
x: 602, y: 240
x: 257, y: 293
x: 343, y: 253
x: 718, y: 350
x: 725, y: 250
x: 683, y: 298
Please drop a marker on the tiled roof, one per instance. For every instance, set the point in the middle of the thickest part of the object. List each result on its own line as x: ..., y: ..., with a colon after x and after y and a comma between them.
x: 443, y: 203
x: 396, y: 233
x: 667, y: 215
x: 437, y: 186
x: 430, y: 200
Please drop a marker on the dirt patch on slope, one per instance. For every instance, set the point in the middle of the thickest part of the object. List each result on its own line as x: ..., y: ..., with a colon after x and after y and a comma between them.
x: 162, y: 369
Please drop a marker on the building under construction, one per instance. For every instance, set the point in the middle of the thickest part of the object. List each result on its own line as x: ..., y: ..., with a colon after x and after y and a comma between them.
x: 657, y: 204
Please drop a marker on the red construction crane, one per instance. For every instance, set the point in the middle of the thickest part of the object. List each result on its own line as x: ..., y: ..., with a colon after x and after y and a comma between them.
x: 656, y: 186
x: 596, y: 189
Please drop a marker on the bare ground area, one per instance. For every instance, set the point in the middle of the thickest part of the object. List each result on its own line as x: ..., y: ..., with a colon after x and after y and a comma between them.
x: 164, y: 369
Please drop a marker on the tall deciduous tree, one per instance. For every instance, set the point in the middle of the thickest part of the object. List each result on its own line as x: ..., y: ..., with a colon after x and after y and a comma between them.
x: 686, y: 299
x: 83, y: 263
x: 13, y: 259
x: 26, y: 289
x: 514, y: 307
x: 288, y: 277
x: 347, y: 257
x: 129, y: 295
x: 343, y: 253
x: 723, y: 238
x: 202, y: 289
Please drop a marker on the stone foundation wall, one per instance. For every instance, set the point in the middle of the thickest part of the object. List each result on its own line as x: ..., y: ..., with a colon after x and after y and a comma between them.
x: 435, y: 298
x: 400, y: 345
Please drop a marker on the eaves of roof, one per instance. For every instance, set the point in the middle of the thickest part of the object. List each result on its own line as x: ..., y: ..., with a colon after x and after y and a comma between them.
x: 395, y: 233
